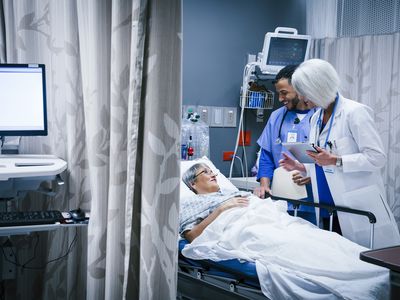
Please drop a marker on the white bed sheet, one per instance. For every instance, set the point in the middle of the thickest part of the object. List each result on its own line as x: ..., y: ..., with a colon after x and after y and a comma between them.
x: 294, y: 259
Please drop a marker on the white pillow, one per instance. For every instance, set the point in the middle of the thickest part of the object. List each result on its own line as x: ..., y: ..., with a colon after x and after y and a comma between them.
x: 222, y: 181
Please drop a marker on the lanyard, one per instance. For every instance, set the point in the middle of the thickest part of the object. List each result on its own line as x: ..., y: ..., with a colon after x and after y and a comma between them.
x: 279, y: 139
x: 319, y: 122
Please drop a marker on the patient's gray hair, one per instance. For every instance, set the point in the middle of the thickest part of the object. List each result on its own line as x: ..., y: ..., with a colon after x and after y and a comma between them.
x: 317, y: 80
x: 190, y: 175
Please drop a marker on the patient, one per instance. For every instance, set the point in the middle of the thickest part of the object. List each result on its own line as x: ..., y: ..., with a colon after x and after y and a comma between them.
x: 294, y: 258
x: 198, y: 211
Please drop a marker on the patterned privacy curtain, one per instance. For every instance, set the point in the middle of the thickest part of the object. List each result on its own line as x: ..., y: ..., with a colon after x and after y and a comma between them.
x: 114, y: 95
x: 369, y: 70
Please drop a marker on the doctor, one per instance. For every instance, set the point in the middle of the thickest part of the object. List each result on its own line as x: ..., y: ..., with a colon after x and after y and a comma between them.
x: 350, y: 155
x: 290, y: 123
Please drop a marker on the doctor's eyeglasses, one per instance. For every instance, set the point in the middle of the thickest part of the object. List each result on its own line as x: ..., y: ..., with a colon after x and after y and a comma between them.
x: 207, y: 172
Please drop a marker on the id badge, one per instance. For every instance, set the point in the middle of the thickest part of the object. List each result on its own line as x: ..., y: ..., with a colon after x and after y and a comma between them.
x: 292, y: 137
x: 329, y: 170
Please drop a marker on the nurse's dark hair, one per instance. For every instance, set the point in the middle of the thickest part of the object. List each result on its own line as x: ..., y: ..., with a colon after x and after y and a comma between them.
x: 190, y: 175
x: 285, y: 73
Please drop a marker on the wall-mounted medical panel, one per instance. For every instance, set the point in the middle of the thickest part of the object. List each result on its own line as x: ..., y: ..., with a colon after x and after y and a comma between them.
x: 230, y: 115
x: 217, y: 116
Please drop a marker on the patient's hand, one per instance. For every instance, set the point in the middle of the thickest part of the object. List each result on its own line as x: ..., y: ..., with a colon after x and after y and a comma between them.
x: 300, y: 179
x: 190, y: 235
x: 234, y: 202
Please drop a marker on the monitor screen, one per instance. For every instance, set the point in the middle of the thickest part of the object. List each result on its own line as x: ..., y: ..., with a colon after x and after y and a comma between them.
x: 23, y: 100
x: 284, y: 51
x: 283, y: 47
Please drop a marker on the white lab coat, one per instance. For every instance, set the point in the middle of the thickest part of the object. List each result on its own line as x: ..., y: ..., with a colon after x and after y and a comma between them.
x: 358, y: 183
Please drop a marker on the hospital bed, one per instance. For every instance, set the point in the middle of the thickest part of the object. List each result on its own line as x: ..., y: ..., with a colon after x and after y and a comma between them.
x: 206, y: 279
x: 235, y: 279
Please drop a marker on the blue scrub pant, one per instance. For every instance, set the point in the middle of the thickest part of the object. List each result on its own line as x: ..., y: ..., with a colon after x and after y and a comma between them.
x: 309, y: 216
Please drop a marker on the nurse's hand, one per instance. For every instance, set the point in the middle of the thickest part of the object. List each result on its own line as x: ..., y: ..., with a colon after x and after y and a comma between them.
x: 322, y: 157
x: 300, y: 179
x: 261, y: 191
x: 289, y: 164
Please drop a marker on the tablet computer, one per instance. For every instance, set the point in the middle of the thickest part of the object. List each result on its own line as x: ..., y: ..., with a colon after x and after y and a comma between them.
x: 298, y: 150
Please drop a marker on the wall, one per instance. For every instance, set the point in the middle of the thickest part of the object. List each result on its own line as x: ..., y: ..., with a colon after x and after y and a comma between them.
x: 217, y: 36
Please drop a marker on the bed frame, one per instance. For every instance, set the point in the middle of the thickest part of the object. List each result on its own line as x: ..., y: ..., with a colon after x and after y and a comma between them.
x: 206, y: 279
x: 233, y: 279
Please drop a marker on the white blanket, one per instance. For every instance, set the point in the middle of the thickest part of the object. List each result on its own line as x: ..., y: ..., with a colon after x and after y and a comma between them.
x: 294, y: 259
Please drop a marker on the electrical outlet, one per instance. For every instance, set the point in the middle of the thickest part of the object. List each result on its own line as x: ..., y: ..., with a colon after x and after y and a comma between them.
x: 204, y: 112
x: 260, y: 115
x: 7, y: 267
x: 230, y: 114
x: 227, y: 155
x: 246, y: 136
x: 217, y: 116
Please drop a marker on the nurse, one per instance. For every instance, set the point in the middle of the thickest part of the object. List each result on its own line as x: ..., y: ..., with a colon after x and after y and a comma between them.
x: 290, y: 123
x: 350, y: 155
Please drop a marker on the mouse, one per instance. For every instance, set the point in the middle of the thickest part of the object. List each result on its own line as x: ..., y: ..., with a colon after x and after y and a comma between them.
x: 77, y: 214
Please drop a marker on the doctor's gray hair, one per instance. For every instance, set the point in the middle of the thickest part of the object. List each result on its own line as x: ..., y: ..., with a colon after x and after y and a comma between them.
x: 190, y: 175
x: 317, y: 80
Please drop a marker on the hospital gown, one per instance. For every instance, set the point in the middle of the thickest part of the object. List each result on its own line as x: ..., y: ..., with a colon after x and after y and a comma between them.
x: 195, y: 208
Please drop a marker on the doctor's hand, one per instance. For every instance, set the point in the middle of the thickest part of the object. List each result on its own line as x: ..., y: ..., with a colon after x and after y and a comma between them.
x: 322, y: 157
x: 289, y: 164
x: 300, y: 179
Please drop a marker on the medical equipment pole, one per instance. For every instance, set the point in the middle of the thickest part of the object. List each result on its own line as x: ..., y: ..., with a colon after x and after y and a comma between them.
x: 371, y: 241
x: 246, y: 75
x: 331, y: 221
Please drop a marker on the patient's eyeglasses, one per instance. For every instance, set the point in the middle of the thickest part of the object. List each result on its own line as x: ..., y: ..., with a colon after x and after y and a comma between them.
x: 205, y: 171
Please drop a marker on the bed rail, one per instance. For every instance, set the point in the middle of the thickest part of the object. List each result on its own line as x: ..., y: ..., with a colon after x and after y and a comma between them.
x: 332, y: 210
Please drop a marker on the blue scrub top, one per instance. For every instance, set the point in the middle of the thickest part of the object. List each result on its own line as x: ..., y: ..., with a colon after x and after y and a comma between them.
x: 325, y: 196
x: 272, y: 149
x: 270, y: 142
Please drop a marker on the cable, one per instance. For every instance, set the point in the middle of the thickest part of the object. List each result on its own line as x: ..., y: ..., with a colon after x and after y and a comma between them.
x: 34, y: 252
x: 241, y: 163
x: 2, y: 290
x: 246, y: 75
x: 244, y: 152
x: 24, y: 265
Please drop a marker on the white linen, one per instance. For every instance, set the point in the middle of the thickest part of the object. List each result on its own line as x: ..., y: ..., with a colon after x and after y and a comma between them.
x: 294, y: 259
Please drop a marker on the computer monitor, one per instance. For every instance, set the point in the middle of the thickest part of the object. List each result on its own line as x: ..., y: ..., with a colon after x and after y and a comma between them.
x: 23, y: 100
x: 283, y: 47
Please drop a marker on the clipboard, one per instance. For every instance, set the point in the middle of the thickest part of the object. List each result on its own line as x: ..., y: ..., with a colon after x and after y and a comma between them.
x: 298, y: 150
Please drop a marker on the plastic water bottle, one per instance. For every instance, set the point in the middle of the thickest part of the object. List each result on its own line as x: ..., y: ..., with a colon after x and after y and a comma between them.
x: 190, y: 150
x: 184, y: 152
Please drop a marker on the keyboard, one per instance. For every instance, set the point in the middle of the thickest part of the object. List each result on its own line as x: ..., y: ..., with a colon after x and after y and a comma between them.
x: 30, y: 218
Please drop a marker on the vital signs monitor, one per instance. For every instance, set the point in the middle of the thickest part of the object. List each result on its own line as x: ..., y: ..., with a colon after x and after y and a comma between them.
x: 283, y: 47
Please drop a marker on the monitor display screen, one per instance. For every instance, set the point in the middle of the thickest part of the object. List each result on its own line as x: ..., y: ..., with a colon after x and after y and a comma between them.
x: 285, y: 51
x: 283, y: 47
x: 23, y: 100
